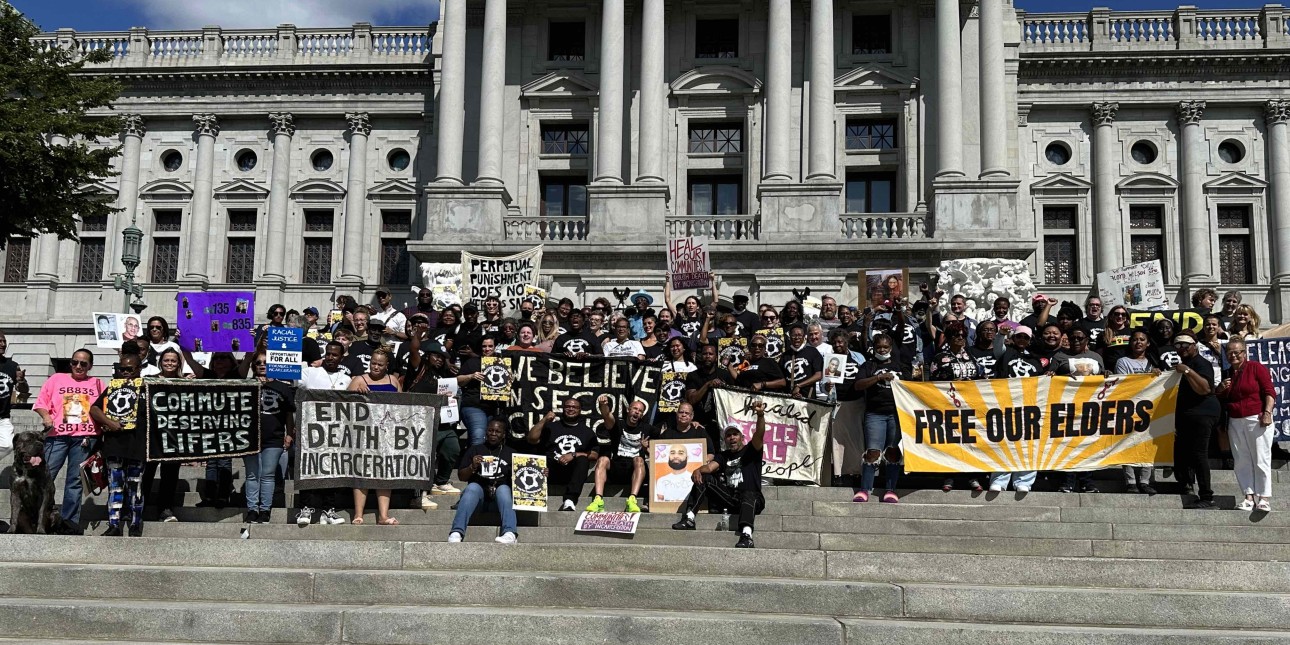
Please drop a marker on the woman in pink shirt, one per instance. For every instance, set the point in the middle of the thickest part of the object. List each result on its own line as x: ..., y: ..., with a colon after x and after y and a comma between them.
x: 64, y: 406
x: 1248, y: 396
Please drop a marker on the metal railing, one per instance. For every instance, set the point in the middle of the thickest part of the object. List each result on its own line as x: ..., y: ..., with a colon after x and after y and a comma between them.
x: 1185, y: 28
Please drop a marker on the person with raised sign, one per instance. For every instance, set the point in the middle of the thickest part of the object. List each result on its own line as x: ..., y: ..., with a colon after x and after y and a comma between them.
x: 1249, y: 399
x: 572, y: 448
x: 848, y: 420
x: 733, y: 478
x: 1195, y: 419
x: 377, y: 379
x: 623, y: 457
x: 277, y: 420
x: 124, y: 448
x: 486, y: 469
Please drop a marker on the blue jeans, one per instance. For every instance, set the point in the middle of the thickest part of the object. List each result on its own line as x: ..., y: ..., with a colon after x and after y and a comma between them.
x: 476, y: 420
x: 1020, y: 479
x: 261, y: 478
x: 70, y: 451
x: 473, y: 496
x: 881, y: 432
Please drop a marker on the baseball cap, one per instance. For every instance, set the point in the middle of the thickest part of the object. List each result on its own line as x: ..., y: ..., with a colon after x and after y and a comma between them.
x: 1023, y: 330
x: 1038, y: 296
x: 311, y: 310
x: 433, y: 347
x: 1185, y: 338
x: 741, y: 293
x: 470, y: 306
x: 381, y: 293
x: 731, y: 429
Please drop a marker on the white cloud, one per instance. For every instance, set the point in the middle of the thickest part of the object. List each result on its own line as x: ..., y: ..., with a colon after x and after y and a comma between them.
x: 243, y: 14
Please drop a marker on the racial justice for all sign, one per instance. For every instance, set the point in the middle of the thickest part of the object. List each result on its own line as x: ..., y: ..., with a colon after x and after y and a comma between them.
x: 366, y: 439
x: 1037, y: 423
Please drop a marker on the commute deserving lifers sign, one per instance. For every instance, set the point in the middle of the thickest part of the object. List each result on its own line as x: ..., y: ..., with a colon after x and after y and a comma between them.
x: 217, y: 321
x: 365, y: 439
x: 190, y: 420
x: 688, y: 262
x: 505, y: 278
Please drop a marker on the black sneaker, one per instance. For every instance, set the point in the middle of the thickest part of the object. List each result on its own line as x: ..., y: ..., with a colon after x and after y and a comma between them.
x: 1065, y: 489
x: 975, y: 485
x: 1202, y: 505
x: 266, y: 517
x: 136, y: 531
x: 251, y: 517
x: 1146, y: 489
x: 113, y: 531
x: 684, y: 524
x: 1090, y: 489
x: 745, y: 542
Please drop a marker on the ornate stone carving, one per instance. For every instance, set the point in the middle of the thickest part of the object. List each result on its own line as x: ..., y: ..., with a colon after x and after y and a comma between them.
x: 206, y: 124
x: 981, y: 280
x: 1276, y: 111
x: 282, y: 123
x: 132, y: 125
x: 1104, y: 113
x: 359, y: 123
x: 1190, y: 112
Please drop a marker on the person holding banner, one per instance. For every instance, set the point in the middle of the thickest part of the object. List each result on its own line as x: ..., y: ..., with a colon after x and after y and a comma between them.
x: 1136, y: 362
x: 760, y: 372
x: 377, y: 379
x: 486, y: 469
x: 1249, y: 399
x: 733, y: 477
x: 168, y: 364
x: 277, y: 415
x: 1196, y: 417
x: 116, y: 413
x: 622, y: 344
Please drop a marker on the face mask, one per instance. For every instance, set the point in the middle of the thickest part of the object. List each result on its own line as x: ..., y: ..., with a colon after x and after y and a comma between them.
x: 883, y: 357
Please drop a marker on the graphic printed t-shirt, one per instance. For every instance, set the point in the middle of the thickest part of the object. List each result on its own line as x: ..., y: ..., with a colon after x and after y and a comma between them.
x: 625, y: 442
x: 496, y: 467
x: 741, y: 469
x: 630, y: 348
x: 8, y: 383
x: 277, y: 408
x: 68, y: 402
x: 766, y: 369
x: 566, y: 438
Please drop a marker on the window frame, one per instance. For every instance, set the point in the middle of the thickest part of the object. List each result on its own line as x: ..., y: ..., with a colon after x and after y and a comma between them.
x: 17, y: 260
x: 870, y: 122
x: 891, y: 35
x: 867, y: 176
x: 567, y: 182
x: 716, y: 127
x: 1070, y: 234
x: 551, y: 57
x: 1244, y: 234
x: 396, y: 228
x: 1157, y: 232
x: 714, y: 180
x: 317, y: 236
x: 699, y: 28
x: 564, y: 127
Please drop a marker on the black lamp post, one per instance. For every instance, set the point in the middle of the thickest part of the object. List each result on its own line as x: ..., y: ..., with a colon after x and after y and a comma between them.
x: 131, y: 241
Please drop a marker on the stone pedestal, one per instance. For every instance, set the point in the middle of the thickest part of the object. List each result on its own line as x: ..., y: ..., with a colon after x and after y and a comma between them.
x: 465, y: 215
x: 800, y: 212
x: 977, y: 210
x: 633, y: 214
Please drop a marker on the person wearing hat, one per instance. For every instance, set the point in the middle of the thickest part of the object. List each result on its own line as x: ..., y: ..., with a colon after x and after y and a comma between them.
x: 1040, y: 307
x: 1017, y: 362
x: 636, y: 317
x: 393, y: 319
x: 732, y: 478
x: 428, y: 363
x: 1195, y: 419
x: 747, y: 320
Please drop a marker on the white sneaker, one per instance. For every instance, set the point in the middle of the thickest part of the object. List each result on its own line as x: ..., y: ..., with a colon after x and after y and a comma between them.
x: 996, y: 489
x: 568, y: 505
x: 444, y: 489
x: 507, y: 538
x: 427, y: 504
x: 455, y: 537
x: 1245, y: 505
x: 330, y: 516
x: 304, y: 517
x: 1022, y: 489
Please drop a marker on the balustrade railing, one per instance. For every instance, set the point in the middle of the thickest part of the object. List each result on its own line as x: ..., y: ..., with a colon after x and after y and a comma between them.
x: 884, y: 226
x: 1185, y: 28
x: 561, y: 228
x: 714, y: 227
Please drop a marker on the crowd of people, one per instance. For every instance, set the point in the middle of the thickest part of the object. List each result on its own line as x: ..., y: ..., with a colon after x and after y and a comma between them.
x: 380, y: 348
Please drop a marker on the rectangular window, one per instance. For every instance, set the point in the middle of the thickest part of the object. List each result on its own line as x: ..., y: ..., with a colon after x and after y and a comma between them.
x: 565, y: 139
x: 1235, y: 254
x: 319, y: 221
x: 394, y: 261
x: 1147, y: 239
x: 396, y: 222
x: 89, y: 266
x: 1146, y: 216
x: 871, y: 34
x: 1061, y: 238
x: 1057, y: 217
x: 871, y: 192
x: 317, y: 260
x: 720, y: 138
x: 1145, y: 248
x: 241, y: 221
x: 17, y: 259
x: 241, y: 260
x: 167, y: 221
x: 165, y: 260
x: 716, y: 38
x: 564, y: 196
x: 871, y: 134
x: 716, y: 195
x: 567, y: 41
x: 94, y: 224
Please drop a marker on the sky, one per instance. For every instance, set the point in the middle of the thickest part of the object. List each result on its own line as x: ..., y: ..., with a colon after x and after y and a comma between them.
x: 119, y: 15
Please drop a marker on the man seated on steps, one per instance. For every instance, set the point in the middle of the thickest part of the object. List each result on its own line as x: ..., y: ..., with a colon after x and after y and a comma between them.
x: 625, y: 453
x: 733, y: 478
x: 572, y: 448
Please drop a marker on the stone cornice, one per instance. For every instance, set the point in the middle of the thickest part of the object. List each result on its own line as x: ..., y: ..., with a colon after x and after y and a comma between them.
x: 1154, y: 64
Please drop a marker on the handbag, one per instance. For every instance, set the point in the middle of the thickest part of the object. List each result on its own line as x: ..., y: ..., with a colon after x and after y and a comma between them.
x: 94, y: 473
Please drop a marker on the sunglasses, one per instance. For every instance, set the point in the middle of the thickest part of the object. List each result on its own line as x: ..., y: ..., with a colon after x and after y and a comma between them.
x: 80, y: 363
x: 758, y: 345
x: 729, y: 323
x: 1181, y: 345
x: 1119, y: 314
x: 277, y: 313
x: 155, y: 327
x: 770, y: 317
x: 258, y: 364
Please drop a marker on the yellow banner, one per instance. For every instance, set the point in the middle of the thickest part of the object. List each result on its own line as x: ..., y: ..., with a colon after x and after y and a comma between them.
x: 1038, y: 423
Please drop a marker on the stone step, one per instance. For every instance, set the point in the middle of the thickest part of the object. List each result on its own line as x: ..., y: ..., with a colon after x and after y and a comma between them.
x: 1104, y: 514
x: 396, y: 625
x: 1053, y: 547
x: 967, y: 528
x: 916, y: 632
x: 1277, y: 518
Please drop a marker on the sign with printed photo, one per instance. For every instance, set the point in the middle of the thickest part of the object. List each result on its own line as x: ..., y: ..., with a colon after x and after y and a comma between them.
x: 195, y: 420
x: 689, y: 263
x: 121, y: 403
x: 528, y: 482
x: 774, y: 341
x: 535, y: 295
x: 883, y: 287
x: 107, y: 332
x: 624, y: 523
x: 1140, y: 286
x: 216, y: 321
x: 671, y: 472
x: 672, y: 393
x: 731, y: 351
x: 835, y: 368
x: 496, y: 374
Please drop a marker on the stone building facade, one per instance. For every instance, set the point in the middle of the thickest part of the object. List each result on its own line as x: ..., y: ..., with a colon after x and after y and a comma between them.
x: 807, y: 139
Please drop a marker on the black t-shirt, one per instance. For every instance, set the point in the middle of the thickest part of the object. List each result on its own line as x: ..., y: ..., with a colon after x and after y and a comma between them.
x: 948, y: 366
x: 1165, y: 357
x: 670, y: 433
x: 801, y: 364
x: 496, y: 469
x: 706, y: 410
x: 403, y: 359
x: 766, y: 369
x: 277, y: 409
x: 469, y: 391
x: 1018, y: 364
x: 562, y: 438
x: 428, y: 381
x: 467, y: 337
x: 986, y: 358
x: 444, y: 336
x: 359, y: 357
x: 577, y: 342
x: 654, y: 351
x: 1114, y: 346
x: 740, y: 469
x: 125, y: 444
x: 1198, y: 405
x: 879, y: 398
x: 624, y: 441
x: 689, y: 327
x: 8, y: 383
x: 746, y: 323
x: 1094, y: 329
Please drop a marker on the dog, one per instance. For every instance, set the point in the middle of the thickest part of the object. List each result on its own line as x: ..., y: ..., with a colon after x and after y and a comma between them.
x: 31, y: 501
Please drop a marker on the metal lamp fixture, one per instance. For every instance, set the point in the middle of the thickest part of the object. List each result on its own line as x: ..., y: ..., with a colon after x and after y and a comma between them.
x: 131, y: 242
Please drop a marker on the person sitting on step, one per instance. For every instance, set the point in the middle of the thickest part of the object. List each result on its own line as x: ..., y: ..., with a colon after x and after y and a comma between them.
x: 624, y: 455
x: 733, y: 477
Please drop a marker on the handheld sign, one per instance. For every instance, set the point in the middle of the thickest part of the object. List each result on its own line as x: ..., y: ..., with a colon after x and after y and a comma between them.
x: 689, y: 263
x: 199, y: 420
x: 366, y: 439
x: 285, y: 345
x: 624, y: 523
x: 528, y: 482
x: 218, y: 321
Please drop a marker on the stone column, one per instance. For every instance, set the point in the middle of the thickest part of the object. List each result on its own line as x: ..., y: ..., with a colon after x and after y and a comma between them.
x: 351, y: 259
x: 133, y: 129
x: 653, y: 102
x: 949, y: 91
x: 492, y: 87
x: 823, y: 158
x: 452, y: 93
x: 1277, y: 113
x: 1106, y: 214
x: 281, y: 127
x: 199, y: 223
x: 994, y: 110
x: 47, y: 248
x: 1198, y: 258
x: 779, y: 90
x: 609, y: 134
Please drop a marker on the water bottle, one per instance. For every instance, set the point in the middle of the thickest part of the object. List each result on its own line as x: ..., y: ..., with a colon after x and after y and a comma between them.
x: 724, y: 523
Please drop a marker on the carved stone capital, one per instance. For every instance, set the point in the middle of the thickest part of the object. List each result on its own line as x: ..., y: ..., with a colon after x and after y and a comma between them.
x: 132, y: 125
x: 206, y: 124
x: 1190, y: 112
x: 282, y: 123
x: 359, y: 123
x: 1276, y: 111
x: 1104, y: 113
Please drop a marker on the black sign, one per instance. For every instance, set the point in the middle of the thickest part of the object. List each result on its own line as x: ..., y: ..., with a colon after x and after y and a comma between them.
x: 199, y: 420
x: 543, y: 381
x: 1274, y: 353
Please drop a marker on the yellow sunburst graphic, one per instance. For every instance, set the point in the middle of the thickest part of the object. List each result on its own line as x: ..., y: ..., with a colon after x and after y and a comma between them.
x: 1037, y: 423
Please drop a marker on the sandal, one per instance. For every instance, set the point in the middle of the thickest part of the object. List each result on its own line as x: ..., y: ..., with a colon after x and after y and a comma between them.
x: 1263, y: 505
x: 890, y: 497
x: 357, y: 520
x: 862, y: 496
x: 389, y: 521
x: 1246, y: 504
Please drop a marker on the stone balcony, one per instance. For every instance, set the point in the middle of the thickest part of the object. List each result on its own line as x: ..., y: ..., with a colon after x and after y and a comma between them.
x: 730, y: 228
x: 285, y: 45
x: 1186, y: 28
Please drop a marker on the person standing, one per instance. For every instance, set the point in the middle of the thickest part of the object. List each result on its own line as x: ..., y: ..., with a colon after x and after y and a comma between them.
x: 13, y: 380
x: 277, y: 412
x: 116, y: 412
x: 377, y: 379
x: 1195, y: 418
x: 1136, y: 362
x: 1249, y: 399
x: 64, y: 405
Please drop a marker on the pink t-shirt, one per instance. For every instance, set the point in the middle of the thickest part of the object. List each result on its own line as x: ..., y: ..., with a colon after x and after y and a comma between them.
x: 68, y: 402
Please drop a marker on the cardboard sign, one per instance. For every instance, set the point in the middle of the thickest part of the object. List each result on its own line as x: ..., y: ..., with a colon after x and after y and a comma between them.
x: 285, y: 345
x: 543, y: 381
x: 672, y: 392
x: 121, y: 403
x: 528, y: 482
x: 1274, y: 353
x: 1140, y: 286
x: 835, y: 368
x: 191, y: 420
x: 496, y: 372
x: 689, y: 263
x: 883, y: 287
x: 112, y: 330
x: 217, y: 321
x: 535, y: 295
x: 366, y: 439
x: 797, y: 431
x: 671, y: 472
x: 624, y: 523
x: 505, y: 278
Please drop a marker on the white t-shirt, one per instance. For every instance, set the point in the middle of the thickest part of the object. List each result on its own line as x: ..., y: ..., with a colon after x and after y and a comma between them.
x: 673, y: 488
x: 631, y: 348
x: 394, y: 320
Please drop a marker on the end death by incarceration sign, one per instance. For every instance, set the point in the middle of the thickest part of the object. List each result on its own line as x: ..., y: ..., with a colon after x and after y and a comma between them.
x: 198, y: 420
x: 366, y: 439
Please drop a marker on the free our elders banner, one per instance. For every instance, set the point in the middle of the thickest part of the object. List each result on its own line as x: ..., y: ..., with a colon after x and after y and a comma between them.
x: 797, y: 431
x: 542, y: 382
x: 1037, y: 423
x: 365, y: 439
x: 190, y: 420
x: 505, y: 278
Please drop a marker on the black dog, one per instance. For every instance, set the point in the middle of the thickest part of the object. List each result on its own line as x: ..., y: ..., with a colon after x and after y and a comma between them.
x: 31, y: 501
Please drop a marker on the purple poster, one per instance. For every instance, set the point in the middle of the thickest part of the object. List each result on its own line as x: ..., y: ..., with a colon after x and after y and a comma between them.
x: 219, y: 321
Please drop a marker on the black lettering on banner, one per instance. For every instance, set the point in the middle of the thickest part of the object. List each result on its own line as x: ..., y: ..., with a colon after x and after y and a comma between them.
x: 543, y: 381
x: 198, y: 420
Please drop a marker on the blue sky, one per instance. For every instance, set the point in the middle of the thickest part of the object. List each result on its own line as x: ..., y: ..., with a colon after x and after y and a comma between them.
x: 115, y: 15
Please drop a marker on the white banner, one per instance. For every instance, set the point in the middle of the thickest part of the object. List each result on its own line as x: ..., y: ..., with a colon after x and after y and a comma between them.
x: 505, y: 278
x: 1140, y: 286
x: 797, y: 431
